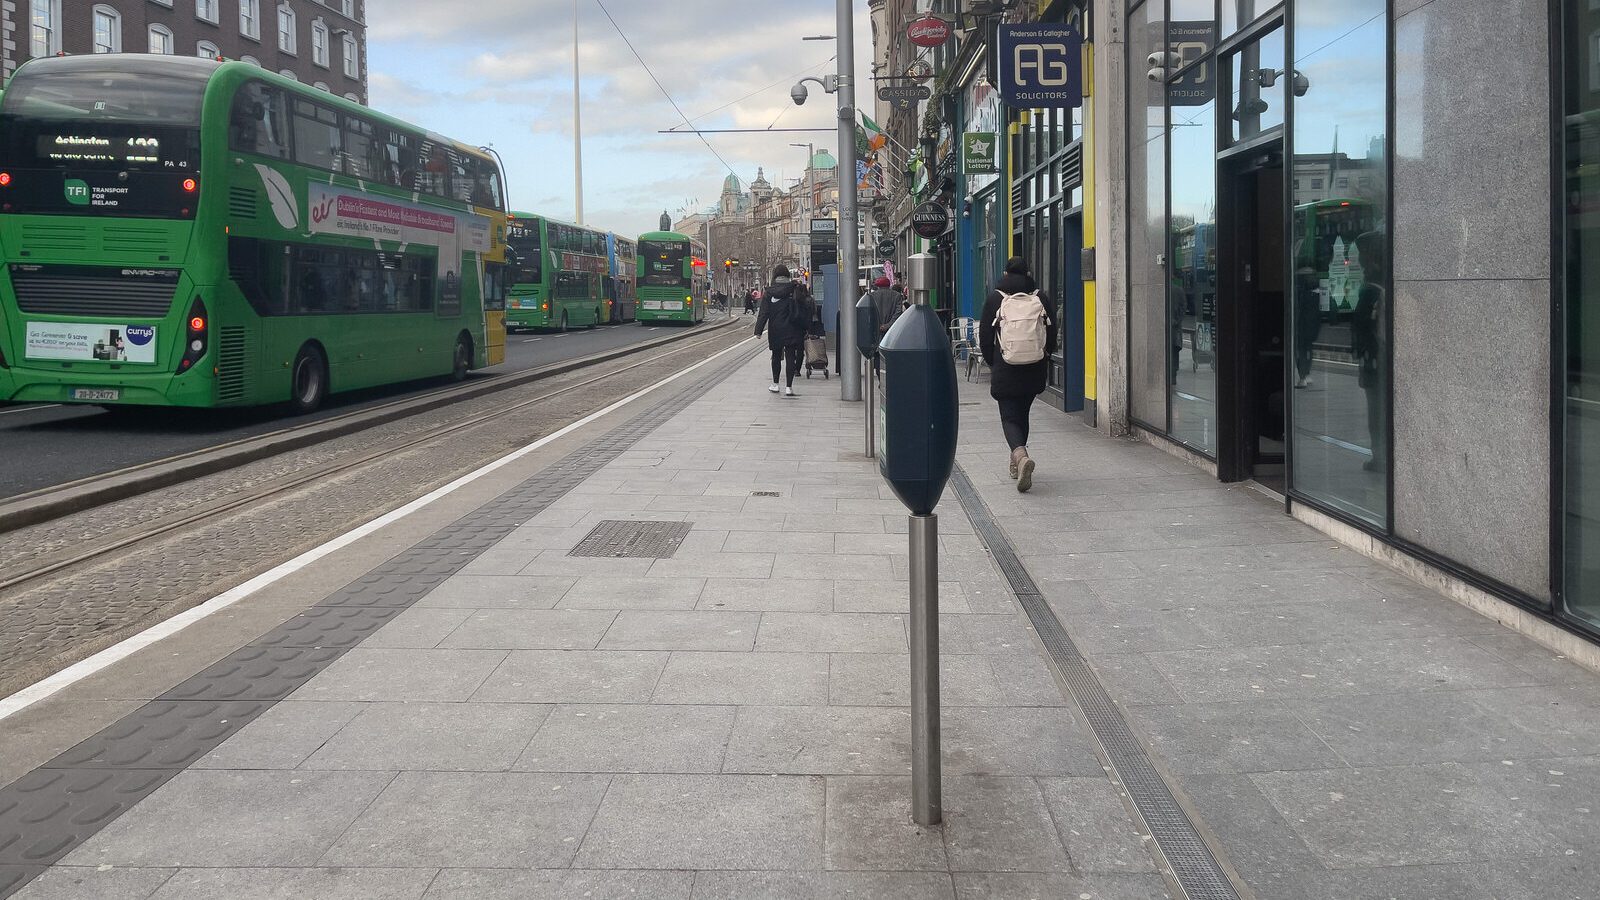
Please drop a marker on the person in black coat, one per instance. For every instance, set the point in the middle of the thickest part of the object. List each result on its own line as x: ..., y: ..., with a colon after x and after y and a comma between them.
x: 1014, y: 387
x: 786, y: 314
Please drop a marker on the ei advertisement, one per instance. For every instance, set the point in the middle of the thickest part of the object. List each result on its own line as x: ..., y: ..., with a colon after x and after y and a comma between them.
x: 86, y: 342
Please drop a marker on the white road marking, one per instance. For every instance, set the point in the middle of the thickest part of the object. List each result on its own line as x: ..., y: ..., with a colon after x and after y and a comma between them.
x: 6, y: 412
x: 531, y: 340
x: 76, y: 672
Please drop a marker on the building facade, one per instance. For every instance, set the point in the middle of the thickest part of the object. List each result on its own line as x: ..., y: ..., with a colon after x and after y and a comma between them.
x: 319, y: 42
x: 1347, y: 253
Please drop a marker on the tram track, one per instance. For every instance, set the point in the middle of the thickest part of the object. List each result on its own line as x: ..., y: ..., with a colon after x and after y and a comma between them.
x: 17, y: 577
x: 43, y: 505
x: 74, y: 585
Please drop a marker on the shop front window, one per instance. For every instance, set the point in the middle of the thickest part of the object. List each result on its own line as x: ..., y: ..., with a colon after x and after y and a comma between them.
x: 1339, y: 253
x: 1258, y: 86
x: 1581, y: 526
x: 1148, y: 335
x: 1192, y: 250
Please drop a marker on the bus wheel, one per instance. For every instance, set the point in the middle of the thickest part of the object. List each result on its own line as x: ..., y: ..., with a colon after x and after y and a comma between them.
x: 462, y: 360
x: 563, y: 321
x: 308, y: 383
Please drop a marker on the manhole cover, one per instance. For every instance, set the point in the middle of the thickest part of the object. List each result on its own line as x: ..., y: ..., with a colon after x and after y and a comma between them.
x: 643, y: 540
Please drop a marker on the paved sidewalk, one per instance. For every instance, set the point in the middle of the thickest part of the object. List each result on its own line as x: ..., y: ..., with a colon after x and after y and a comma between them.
x: 730, y: 721
x: 1342, y: 731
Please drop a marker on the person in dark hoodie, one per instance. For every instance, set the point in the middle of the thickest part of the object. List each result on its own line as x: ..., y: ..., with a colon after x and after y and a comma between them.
x: 786, y: 313
x: 1015, y: 386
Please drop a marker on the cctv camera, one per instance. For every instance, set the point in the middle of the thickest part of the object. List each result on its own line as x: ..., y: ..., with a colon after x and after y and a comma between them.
x: 798, y: 94
x: 1156, y: 60
x: 1301, y: 84
x: 1157, y: 74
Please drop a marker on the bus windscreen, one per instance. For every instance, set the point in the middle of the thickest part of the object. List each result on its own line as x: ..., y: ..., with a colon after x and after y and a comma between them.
x: 663, y: 264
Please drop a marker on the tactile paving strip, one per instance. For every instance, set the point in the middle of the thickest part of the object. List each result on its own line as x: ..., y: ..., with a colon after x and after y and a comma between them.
x: 1194, y: 866
x: 50, y: 811
x: 618, y: 539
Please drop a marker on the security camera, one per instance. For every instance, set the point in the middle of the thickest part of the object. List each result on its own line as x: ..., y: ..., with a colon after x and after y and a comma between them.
x: 1161, y: 63
x: 1301, y: 84
x: 798, y: 94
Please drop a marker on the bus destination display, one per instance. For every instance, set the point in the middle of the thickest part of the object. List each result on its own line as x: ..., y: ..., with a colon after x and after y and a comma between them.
x: 121, y: 152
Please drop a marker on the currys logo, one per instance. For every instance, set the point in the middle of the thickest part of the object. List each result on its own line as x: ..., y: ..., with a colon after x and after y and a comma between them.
x: 139, y: 335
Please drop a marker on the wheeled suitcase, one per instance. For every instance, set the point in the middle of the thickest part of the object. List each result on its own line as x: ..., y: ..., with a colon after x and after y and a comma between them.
x: 817, y: 356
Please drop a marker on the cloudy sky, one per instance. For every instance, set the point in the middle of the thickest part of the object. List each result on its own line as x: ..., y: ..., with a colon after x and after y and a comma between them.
x: 500, y: 72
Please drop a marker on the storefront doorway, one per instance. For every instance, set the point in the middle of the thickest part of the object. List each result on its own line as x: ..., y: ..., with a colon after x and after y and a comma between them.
x: 1252, y: 316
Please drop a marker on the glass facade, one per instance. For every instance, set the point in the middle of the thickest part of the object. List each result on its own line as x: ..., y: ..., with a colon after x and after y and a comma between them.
x: 1149, y: 338
x: 1192, y: 247
x: 1581, y: 521
x: 1339, y: 254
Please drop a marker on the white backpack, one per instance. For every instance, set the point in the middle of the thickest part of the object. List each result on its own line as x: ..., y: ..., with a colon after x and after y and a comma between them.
x: 1022, y: 328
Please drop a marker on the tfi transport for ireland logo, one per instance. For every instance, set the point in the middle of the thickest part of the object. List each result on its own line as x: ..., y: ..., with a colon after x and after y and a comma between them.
x: 77, y: 192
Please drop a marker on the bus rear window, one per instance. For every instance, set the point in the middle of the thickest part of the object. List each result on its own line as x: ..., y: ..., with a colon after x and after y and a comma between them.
x: 663, y: 264
x: 79, y: 113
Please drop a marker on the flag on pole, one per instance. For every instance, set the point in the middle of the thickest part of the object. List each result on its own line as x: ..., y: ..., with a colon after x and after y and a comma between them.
x: 876, y: 139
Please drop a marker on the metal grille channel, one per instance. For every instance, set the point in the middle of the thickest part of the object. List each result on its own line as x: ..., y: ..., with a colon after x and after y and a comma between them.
x: 233, y: 363
x: 1195, y: 868
x: 87, y: 295
x: 638, y: 540
x: 52, y: 810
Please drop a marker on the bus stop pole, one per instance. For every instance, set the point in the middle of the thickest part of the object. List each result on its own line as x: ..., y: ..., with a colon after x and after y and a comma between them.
x: 927, y: 805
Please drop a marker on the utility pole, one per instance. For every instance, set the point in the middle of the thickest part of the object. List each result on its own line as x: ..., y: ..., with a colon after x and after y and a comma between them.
x: 577, y: 121
x: 849, y: 226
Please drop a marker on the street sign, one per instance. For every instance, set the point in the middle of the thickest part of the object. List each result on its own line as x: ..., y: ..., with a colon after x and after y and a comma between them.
x: 886, y: 249
x: 928, y: 32
x: 1041, y: 66
x: 904, y: 94
x: 977, y: 153
x: 930, y: 219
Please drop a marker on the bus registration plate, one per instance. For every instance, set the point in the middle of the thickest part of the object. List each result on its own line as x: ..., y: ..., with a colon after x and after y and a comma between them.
x: 96, y: 394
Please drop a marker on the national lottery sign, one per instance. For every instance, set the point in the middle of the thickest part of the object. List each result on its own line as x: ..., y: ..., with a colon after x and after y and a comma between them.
x: 1041, y: 66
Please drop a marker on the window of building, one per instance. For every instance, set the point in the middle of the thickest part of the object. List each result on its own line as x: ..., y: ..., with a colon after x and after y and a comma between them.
x: 350, y: 95
x: 348, y: 7
x: 250, y: 19
x: 206, y: 10
x: 251, y: 60
x: 44, y: 18
x: 1316, y: 184
x: 1579, y: 428
x: 107, y: 30
x: 322, y: 86
x: 207, y: 50
x: 161, y: 40
x: 286, y: 29
x: 352, y: 65
x: 289, y: 74
x: 319, y: 42
x: 1339, y: 308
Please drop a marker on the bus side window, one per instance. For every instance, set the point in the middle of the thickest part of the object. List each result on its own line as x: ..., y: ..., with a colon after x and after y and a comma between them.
x: 362, y: 155
x: 256, y: 268
x: 257, y: 123
x: 399, y: 160
x: 316, y: 136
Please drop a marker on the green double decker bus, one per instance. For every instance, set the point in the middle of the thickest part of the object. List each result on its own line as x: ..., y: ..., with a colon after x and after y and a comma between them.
x: 188, y: 232
x: 672, y: 279
x: 558, y: 274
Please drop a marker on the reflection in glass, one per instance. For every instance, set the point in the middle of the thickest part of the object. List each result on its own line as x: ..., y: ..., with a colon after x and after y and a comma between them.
x: 1192, y: 276
x: 1340, y: 257
x: 1147, y: 230
x: 1236, y: 13
x: 1258, y: 86
x: 1582, y: 520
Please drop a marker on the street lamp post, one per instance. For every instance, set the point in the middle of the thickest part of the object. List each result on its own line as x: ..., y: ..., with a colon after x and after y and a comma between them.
x: 811, y: 187
x: 842, y: 86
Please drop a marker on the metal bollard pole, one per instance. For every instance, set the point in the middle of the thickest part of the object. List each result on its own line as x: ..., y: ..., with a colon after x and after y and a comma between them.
x: 872, y: 408
x: 927, y: 805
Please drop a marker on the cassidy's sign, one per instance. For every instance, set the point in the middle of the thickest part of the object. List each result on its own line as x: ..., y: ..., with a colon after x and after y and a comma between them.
x: 977, y: 153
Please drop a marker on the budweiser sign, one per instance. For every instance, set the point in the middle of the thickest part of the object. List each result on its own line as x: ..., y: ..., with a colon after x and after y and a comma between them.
x: 928, y: 32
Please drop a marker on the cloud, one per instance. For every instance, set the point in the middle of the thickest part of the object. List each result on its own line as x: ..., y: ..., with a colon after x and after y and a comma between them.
x: 500, y: 72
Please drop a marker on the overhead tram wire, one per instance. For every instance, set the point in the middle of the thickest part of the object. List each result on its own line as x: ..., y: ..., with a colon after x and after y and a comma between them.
x: 661, y: 88
x: 779, y: 83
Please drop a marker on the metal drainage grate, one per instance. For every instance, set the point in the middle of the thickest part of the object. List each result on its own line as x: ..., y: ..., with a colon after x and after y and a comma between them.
x: 765, y: 494
x: 641, y: 540
x: 1194, y: 866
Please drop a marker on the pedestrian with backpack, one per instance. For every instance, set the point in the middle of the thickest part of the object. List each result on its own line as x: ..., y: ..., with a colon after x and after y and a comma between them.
x: 1017, y: 334
x: 786, y: 314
